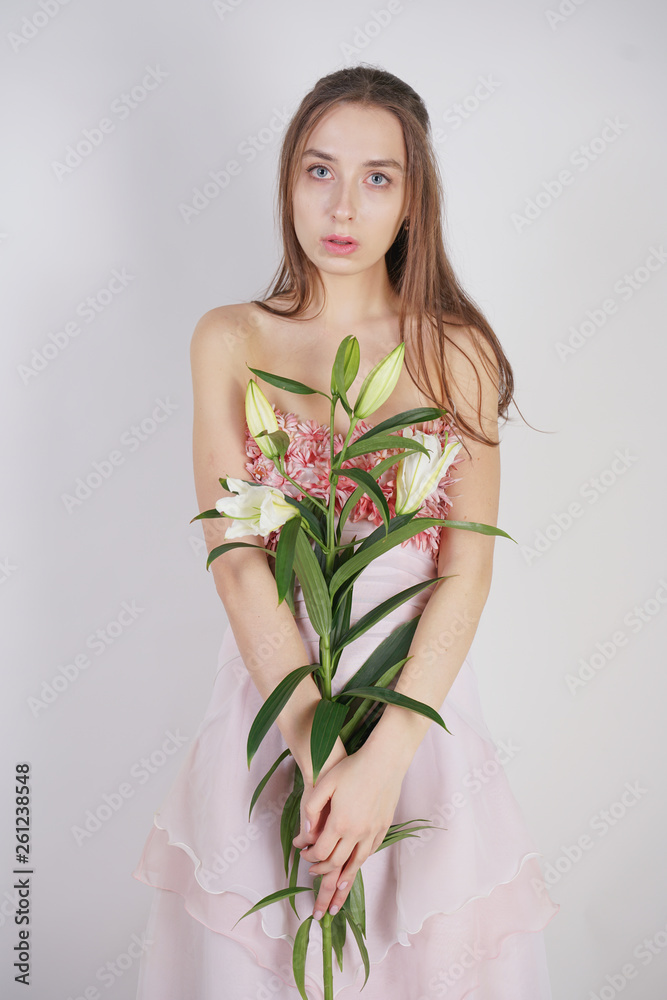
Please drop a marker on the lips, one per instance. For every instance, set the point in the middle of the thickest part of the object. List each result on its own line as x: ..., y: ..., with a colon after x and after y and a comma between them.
x: 341, y: 240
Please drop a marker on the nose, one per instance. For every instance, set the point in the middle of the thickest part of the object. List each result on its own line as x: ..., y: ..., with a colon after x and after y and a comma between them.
x: 343, y: 206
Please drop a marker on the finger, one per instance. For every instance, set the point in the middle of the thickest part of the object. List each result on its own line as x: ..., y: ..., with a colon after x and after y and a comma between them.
x: 325, y: 894
x: 338, y: 857
x: 348, y: 869
x: 305, y: 838
x: 321, y: 851
x: 317, y: 802
x: 344, y: 884
x: 328, y: 836
x: 313, y: 822
x: 310, y: 830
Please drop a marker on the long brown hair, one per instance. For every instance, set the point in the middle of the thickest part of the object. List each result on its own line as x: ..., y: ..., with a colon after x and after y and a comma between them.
x: 417, y: 264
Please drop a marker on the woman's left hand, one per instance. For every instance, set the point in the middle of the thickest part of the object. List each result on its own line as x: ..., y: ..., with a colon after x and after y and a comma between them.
x: 361, y: 793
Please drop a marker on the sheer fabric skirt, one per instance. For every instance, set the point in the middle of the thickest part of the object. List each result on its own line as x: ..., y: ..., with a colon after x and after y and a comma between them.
x: 457, y: 912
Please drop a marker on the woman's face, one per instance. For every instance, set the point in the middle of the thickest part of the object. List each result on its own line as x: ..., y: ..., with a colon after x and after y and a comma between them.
x: 351, y: 183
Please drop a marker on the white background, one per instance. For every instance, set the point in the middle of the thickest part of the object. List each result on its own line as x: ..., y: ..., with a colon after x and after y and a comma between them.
x: 228, y: 70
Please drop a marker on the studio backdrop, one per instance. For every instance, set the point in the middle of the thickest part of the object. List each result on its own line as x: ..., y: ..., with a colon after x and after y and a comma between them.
x: 141, y: 143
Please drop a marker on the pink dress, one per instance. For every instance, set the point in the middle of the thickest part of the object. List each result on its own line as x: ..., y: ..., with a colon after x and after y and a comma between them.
x: 457, y: 913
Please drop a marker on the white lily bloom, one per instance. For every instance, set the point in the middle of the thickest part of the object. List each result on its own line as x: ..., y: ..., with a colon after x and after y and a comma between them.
x: 256, y: 510
x: 418, y: 475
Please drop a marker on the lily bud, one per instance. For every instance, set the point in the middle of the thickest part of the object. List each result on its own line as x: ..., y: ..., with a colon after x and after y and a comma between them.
x: 379, y: 384
x: 417, y: 475
x: 260, y: 417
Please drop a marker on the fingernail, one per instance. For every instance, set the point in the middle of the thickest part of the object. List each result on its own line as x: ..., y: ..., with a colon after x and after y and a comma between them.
x: 342, y: 885
x: 306, y: 825
x: 333, y: 910
x: 318, y: 914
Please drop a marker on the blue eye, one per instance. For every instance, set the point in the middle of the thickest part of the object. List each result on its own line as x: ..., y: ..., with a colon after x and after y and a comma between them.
x: 320, y: 166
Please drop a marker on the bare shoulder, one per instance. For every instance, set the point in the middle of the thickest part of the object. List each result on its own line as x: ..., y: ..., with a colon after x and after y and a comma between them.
x: 224, y: 331
x: 472, y: 378
x: 473, y: 374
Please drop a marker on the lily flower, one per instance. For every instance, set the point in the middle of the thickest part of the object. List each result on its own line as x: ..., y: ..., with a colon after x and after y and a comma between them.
x: 256, y: 509
x: 260, y: 417
x: 418, y: 475
x: 379, y: 384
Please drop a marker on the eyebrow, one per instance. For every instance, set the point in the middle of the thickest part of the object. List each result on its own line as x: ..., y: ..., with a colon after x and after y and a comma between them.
x: 389, y: 162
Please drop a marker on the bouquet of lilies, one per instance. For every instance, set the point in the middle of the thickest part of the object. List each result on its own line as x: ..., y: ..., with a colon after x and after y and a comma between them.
x: 309, y: 549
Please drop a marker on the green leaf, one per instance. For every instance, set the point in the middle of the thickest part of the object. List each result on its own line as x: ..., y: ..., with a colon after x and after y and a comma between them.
x: 365, y: 703
x: 379, y: 541
x: 393, y: 647
x: 397, y: 522
x: 327, y: 723
x: 275, y: 897
x: 313, y: 585
x: 207, y: 513
x: 289, y: 596
x: 394, y: 834
x: 309, y: 513
x: 363, y: 731
x: 406, y: 418
x: 285, y: 555
x: 361, y: 945
x: 341, y: 619
x: 294, y: 875
x: 299, y: 953
x: 483, y: 529
x: 289, y: 821
x: 285, y: 383
x: 351, y: 501
x: 378, y: 442
x: 274, y: 705
x: 400, y: 528
x: 355, y: 903
x: 407, y: 822
x: 280, y: 439
x: 365, y: 480
x: 390, y: 697
x: 258, y: 791
x: 220, y: 549
x: 338, y: 928
x: 382, y: 610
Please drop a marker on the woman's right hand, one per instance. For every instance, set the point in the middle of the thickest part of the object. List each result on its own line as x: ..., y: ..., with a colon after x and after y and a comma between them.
x: 306, y: 837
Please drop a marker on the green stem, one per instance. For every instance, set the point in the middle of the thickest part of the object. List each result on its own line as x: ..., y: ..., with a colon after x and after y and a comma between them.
x: 326, y: 666
x: 327, y: 965
x: 333, y: 480
x: 283, y: 471
x: 331, y: 549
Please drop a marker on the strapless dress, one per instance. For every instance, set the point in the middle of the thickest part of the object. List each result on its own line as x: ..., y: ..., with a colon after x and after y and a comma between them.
x: 457, y: 913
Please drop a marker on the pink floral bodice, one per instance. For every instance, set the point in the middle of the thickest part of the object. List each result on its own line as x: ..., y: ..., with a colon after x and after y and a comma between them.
x: 307, y: 461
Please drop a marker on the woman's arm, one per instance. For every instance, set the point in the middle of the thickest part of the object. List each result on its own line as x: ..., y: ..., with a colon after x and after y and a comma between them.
x: 448, y: 624
x: 243, y: 577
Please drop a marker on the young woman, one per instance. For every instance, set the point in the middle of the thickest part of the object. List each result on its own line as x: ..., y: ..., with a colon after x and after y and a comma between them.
x: 457, y: 912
